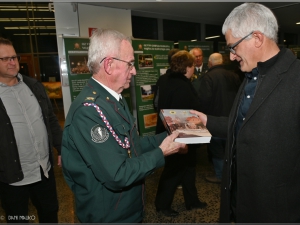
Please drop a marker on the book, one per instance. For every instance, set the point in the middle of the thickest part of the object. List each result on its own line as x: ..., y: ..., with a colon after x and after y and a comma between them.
x: 190, y: 127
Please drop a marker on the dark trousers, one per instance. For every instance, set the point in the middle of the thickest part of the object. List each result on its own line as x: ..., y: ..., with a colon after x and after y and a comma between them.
x: 179, y: 169
x: 43, y: 195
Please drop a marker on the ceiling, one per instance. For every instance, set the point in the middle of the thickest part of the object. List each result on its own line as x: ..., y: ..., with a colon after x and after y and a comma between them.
x: 213, y: 13
x: 287, y: 13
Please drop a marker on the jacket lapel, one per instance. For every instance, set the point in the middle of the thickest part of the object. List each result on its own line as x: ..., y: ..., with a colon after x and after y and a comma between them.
x: 268, y: 82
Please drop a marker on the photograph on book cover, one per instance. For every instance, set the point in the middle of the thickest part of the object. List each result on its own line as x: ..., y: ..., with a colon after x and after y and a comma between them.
x: 187, y: 124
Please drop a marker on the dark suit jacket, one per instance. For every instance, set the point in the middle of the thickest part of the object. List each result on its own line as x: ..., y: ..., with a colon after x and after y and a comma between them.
x: 218, y: 90
x: 197, y: 78
x: 267, y: 147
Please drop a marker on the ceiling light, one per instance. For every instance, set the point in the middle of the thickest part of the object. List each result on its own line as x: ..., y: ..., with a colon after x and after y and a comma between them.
x: 37, y: 34
x: 298, y: 23
x: 32, y: 27
x: 212, y: 37
x: 25, y: 19
x: 194, y: 40
x: 23, y: 8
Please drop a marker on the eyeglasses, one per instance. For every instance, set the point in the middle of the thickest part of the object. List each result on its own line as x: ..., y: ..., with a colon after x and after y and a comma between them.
x: 14, y: 58
x: 231, y: 47
x: 130, y: 64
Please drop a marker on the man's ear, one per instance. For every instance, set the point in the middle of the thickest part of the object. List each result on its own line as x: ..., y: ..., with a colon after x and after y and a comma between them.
x: 108, y: 65
x: 259, y: 38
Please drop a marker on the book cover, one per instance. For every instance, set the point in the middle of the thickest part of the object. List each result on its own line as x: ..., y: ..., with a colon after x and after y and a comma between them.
x: 190, y: 127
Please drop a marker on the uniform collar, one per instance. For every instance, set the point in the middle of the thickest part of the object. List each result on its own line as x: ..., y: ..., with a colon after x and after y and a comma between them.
x: 112, y: 92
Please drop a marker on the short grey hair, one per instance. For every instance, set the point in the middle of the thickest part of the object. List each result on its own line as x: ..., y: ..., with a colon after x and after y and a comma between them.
x: 250, y: 17
x: 103, y: 43
x: 215, y: 59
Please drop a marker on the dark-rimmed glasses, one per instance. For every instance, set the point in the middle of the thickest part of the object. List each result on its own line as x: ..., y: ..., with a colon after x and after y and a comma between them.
x: 130, y: 64
x: 231, y: 47
x: 6, y: 59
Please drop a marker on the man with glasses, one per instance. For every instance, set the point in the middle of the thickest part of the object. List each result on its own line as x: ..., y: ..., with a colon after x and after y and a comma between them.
x: 105, y: 161
x: 260, y: 181
x: 28, y: 131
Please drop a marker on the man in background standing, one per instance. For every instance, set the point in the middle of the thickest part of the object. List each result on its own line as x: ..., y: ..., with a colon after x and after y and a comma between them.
x: 28, y: 131
x: 200, y: 68
x: 217, y: 92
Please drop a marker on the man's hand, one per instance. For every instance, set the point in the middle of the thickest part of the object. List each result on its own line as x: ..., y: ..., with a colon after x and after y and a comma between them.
x: 169, y: 147
x: 201, y: 115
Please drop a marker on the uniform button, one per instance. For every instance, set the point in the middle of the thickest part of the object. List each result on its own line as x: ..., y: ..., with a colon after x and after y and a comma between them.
x: 248, y: 96
x: 255, y: 78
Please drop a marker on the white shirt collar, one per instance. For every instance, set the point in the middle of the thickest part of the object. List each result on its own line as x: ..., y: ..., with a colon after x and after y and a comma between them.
x: 112, y: 92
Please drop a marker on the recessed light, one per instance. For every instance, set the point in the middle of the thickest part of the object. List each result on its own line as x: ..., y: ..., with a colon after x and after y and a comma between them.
x: 212, y: 37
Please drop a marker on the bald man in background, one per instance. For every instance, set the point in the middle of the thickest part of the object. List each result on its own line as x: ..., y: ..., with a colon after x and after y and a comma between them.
x: 217, y: 90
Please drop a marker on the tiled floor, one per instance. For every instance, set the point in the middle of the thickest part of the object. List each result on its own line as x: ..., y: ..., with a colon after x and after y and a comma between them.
x: 207, y: 192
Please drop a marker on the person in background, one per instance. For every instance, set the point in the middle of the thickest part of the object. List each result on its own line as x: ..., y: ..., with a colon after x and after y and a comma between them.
x: 217, y: 93
x: 105, y: 161
x: 178, y: 93
x: 200, y: 68
x: 260, y: 182
x: 29, y: 129
x: 162, y: 79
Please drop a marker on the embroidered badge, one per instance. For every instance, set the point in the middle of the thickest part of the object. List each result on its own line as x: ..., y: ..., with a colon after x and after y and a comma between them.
x: 99, y: 134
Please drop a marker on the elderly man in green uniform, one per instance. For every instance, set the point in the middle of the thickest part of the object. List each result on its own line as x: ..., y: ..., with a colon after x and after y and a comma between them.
x: 104, y: 159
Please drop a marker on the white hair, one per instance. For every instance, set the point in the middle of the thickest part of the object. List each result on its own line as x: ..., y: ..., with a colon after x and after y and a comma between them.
x: 250, y: 17
x: 103, y: 43
x: 215, y: 59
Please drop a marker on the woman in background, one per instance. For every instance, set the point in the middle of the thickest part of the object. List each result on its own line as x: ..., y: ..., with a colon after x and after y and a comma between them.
x: 177, y: 92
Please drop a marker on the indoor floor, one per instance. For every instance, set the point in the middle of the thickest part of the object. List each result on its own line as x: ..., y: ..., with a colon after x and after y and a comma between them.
x: 207, y: 192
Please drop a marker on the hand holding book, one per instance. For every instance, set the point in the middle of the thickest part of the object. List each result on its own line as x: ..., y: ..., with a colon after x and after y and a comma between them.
x: 191, y: 128
x: 169, y: 147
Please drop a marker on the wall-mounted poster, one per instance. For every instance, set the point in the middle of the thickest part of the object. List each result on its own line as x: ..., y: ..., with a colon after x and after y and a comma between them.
x: 151, y: 60
x: 76, y: 50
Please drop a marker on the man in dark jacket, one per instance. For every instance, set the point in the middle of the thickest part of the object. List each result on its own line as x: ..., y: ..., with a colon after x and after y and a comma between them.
x: 28, y: 131
x: 200, y: 68
x: 260, y: 182
x: 217, y: 93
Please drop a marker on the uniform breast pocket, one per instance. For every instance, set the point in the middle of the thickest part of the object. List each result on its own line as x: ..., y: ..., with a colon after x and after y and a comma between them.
x: 122, y: 131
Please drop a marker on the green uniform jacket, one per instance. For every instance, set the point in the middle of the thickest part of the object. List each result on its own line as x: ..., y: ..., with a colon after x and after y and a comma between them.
x: 108, y: 185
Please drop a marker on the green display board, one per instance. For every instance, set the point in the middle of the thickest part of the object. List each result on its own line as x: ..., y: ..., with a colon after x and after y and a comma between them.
x: 151, y: 61
x: 76, y: 50
x: 206, y: 46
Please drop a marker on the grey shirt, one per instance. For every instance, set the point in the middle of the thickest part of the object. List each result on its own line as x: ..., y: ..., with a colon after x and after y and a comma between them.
x: 30, y: 131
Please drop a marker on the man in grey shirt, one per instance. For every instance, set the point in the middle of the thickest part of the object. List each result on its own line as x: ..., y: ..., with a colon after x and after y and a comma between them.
x: 28, y: 131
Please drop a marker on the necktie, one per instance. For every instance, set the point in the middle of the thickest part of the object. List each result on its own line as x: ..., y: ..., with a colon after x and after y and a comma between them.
x: 122, y: 103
